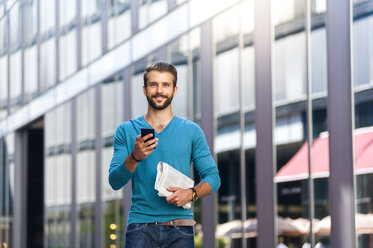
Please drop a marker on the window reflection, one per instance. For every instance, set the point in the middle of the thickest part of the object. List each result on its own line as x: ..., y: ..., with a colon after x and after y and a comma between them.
x: 86, y: 169
x: 30, y: 53
x: 47, y: 64
x: 150, y: 10
x: 226, y: 62
x: 3, y: 68
x: 15, y: 57
x: 91, y: 31
x: 319, y: 73
x: 6, y: 189
x: 290, y: 68
x: 48, y: 44
x: 57, y: 179
x: 68, y: 38
x: 3, y: 87
x: 119, y: 21
x: 112, y: 109
x: 363, y: 84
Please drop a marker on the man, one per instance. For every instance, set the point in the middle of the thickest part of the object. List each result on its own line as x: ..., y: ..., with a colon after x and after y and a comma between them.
x: 155, y: 221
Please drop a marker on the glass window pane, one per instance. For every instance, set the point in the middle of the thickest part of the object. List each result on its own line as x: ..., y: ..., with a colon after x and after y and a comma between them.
x: 319, y: 73
x: 290, y: 68
x: 363, y: 52
x: 89, y: 7
x: 67, y: 15
x: 3, y: 36
x: 86, y: 169
x: 47, y: 64
x: 68, y: 54
x: 178, y: 53
x: 3, y: 86
x: 6, y: 190
x: 57, y: 176
x: 91, y: 42
x: 31, y: 68
x: 68, y: 39
x: 91, y: 31
x: 15, y: 28
x: 150, y: 10
x: 30, y: 22
x: 47, y: 18
x: 119, y: 22
x: 112, y: 116
x: 363, y: 133
x: 15, y: 80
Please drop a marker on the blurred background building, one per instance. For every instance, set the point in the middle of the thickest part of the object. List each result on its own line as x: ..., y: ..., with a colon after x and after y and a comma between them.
x: 71, y: 71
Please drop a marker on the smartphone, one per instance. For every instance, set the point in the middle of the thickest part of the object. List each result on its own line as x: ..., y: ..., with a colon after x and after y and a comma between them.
x: 146, y: 131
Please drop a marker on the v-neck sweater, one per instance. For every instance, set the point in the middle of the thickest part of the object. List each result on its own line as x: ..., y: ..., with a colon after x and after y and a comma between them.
x: 179, y: 143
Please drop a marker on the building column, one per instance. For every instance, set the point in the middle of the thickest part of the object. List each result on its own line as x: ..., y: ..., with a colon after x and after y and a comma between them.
x: 265, y: 123
x: 340, y: 123
x: 20, y: 190
x: 127, y: 114
x: 207, y: 124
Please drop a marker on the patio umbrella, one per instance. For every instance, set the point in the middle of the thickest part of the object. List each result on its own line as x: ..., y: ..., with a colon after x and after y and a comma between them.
x: 363, y: 223
x: 304, y: 225
x: 226, y: 229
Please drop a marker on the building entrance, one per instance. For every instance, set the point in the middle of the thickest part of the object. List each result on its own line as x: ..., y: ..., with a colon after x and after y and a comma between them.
x: 35, y: 185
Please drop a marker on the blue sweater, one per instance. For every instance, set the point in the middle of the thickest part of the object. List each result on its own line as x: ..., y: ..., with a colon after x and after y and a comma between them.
x: 179, y: 143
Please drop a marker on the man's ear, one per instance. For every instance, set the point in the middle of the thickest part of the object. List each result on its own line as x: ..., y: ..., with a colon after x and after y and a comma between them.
x: 175, y: 90
x: 144, y: 89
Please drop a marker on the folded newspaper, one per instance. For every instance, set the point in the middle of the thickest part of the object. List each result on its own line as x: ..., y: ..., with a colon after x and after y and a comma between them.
x: 168, y: 176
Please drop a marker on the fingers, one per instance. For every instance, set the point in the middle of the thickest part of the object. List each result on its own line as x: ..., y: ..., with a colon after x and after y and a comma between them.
x: 172, y: 189
x: 142, y: 148
x: 179, y: 198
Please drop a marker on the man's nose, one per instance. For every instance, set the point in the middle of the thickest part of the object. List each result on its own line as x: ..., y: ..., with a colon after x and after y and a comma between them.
x: 160, y: 89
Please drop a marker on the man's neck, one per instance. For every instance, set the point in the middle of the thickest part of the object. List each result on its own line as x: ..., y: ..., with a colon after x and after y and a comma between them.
x: 159, y: 119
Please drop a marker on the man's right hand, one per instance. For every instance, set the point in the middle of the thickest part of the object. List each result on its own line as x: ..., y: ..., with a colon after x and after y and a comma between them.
x: 141, y: 151
x: 142, y: 148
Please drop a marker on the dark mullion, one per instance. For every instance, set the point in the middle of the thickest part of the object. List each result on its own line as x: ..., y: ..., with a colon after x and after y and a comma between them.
x: 341, y: 123
x: 207, y: 124
x: 98, y: 241
x: 265, y: 123
x: 73, y: 215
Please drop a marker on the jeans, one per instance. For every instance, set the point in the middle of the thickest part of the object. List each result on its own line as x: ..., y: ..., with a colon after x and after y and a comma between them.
x: 149, y: 236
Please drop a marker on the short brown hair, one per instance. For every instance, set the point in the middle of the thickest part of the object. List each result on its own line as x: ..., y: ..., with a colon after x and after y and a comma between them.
x: 161, y: 66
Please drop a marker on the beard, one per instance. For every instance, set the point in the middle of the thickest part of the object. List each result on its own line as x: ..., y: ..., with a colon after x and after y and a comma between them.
x: 154, y: 104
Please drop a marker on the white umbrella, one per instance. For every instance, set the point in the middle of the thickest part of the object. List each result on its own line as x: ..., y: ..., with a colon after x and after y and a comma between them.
x: 363, y: 224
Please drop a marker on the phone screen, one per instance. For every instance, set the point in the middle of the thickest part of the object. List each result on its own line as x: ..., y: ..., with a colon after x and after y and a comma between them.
x: 146, y: 131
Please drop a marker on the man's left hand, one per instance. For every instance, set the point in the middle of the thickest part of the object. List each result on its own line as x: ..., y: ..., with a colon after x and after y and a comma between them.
x: 180, y: 197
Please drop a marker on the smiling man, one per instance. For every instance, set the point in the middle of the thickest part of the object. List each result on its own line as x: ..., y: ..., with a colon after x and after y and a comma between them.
x: 155, y: 221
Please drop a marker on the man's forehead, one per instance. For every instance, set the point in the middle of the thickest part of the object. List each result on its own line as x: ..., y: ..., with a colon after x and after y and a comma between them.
x: 160, y: 76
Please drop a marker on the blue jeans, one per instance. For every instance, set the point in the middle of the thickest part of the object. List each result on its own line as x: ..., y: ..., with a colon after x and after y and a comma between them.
x: 149, y: 236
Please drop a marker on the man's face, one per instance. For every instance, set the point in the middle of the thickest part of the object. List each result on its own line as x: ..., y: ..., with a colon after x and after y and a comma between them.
x: 159, y: 90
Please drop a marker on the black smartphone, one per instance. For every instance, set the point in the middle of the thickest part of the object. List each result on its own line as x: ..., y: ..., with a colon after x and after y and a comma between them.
x: 146, y: 131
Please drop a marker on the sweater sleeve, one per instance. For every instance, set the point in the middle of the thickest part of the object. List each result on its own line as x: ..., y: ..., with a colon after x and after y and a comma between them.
x: 203, y: 161
x: 118, y: 173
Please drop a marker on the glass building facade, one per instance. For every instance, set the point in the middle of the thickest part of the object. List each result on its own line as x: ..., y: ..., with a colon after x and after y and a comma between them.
x: 71, y: 71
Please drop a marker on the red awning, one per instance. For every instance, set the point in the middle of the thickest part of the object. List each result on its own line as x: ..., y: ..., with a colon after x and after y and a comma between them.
x: 297, y: 167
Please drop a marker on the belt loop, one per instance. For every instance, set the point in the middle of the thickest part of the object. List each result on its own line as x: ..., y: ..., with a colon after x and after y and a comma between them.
x: 174, y: 223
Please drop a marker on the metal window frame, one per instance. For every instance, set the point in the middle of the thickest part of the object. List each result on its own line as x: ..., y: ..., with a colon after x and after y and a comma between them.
x: 73, y: 216
x: 127, y: 114
x: 98, y: 239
